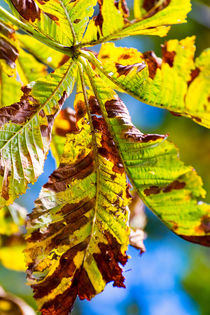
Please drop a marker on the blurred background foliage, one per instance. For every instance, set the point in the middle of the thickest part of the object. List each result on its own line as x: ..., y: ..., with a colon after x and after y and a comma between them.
x: 172, y: 277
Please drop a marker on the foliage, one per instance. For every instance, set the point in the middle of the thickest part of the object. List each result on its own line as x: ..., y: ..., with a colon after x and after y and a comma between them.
x: 78, y: 232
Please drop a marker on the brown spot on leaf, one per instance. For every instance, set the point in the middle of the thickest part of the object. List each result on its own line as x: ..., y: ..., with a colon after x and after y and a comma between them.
x: 205, y: 224
x: 62, y: 99
x: 52, y: 17
x: 133, y: 134
x: 20, y: 112
x: 108, y: 148
x: 85, y: 287
x: 153, y: 190
x: 6, y: 30
x: 174, y: 185
x: 108, y: 260
x: 94, y: 106
x: 42, y: 113
x: 64, y: 270
x: 105, y: 56
x: 80, y: 109
x: 156, y: 189
x: 196, y: 119
x: 201, y: 240
x: 63, y: 303
x: 124, y: 7
x: 175, y: 114
x: 80, y: 285
x: 152, y: 6
x: 63, y: 60
x: 168, y: 56
x: 67, y: 115
x: 61, y: 177
x: 72, y: 214
x: 116, y: 108
x: 153, y: 63
x: 77, y: 21
x: 28, y: 9
x: 46, y: 129
x: 124, y: 70
x: 8, y: 52
x: 194, y: 75
x: 125, y: 56
x: 99, y: 21
x: 5, y: 186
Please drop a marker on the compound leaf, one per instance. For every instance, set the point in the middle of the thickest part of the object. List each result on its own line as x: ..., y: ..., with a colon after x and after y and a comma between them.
x: 67, y: 23
x: 78, y: 233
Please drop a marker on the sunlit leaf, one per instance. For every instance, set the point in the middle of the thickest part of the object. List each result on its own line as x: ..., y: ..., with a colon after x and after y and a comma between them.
x: 25, y: 131
x: 168, y: 187
x: 175, y: 82
x: 79, y: 230
x: 45, y: 54
x: 61, y: 21
x: 29, y: 69
x: 111, y: 24
x: 17, y: 67
x: 78, y: 233
x: 8, y: 57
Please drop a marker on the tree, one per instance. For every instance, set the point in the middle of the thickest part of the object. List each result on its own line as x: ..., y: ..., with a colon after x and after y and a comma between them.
x: 78, y: 232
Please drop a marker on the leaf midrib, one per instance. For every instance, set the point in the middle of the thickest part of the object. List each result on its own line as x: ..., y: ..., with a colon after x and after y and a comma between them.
x: 97, y: 166
x: 75, y: 41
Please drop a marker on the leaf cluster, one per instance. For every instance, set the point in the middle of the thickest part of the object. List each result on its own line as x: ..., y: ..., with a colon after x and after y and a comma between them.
x: 78, y: 232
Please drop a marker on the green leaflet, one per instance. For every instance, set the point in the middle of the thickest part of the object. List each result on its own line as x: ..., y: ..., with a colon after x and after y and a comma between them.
x: 12, y: 244
x: 45, y: 54
x: 25, y: 131
x: 8, y: 57
x: 78, y: 233
x: 6, y: 97
x: 60, y: 21
x: 110, y: 24
x: 169, y: 188
x: 17, y: 67
x: 28, y: 68
x: 175, y: 82
x: 145, y: 8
